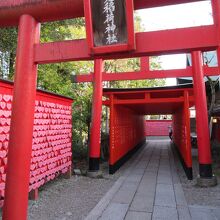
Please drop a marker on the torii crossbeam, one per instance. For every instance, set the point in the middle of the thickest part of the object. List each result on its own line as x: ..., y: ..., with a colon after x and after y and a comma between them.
x: 27, y: 15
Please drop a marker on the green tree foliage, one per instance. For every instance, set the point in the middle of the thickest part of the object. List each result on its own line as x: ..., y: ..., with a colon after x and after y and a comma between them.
x: 63, y: 30
x: 132, y: 65
x: 8, y: 42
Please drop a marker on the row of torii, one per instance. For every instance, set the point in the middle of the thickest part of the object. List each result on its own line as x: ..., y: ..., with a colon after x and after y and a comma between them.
x: 28, y: 14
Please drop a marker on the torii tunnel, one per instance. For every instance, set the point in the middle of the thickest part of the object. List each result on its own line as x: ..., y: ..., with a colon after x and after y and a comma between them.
x: 29, y: 14
x: 128, y: 108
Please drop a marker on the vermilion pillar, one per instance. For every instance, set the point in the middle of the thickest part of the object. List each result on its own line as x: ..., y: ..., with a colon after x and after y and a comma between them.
x: 95, y: 137
x: 21, y: 131
x: 188, y: 157
x: 204, y: 151
x: 111, y: 135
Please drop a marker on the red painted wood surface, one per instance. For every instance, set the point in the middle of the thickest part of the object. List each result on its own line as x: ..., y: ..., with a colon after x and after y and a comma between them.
x: 52, y: 145
x: 181, y: 131
x: 22, y: 118
x: 148, y: 74
x: 95, y: 139
x: 47, y: 10
x: 157, y: 127
x: 202, y: 127
x: 126, y: 131
x: 182, y: 40
x: 128, y: 108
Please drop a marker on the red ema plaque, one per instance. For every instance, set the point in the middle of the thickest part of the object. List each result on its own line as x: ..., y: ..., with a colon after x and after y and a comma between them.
x: 109, y: 25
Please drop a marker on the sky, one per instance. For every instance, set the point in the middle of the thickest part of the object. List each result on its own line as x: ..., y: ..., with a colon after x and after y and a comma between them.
x: 176, y: 16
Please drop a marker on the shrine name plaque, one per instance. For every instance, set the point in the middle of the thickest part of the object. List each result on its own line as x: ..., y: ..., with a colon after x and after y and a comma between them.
x: 109, y: 25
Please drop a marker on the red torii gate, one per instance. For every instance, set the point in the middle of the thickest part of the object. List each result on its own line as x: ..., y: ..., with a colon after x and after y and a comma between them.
x: 127, y: 123
x: 28, y: 14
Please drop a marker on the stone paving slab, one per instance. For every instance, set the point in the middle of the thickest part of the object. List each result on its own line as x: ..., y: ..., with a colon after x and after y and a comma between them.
x: 138, y: 171
x: 179, y: 194
x: 164, y: 178
x: 115, y: 211
x: 165, y: 213
x: 138, y: 216
x: 145, y: 189
x: 135, y: 178
x: 129, y: 186
x: 124, y: 196
x: 150, y: 189
x: 165, y: 196
x: 142, y: 203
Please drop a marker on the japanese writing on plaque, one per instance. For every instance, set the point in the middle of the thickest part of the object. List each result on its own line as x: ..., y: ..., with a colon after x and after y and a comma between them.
x: 110, y: 30
x: 109, y: 22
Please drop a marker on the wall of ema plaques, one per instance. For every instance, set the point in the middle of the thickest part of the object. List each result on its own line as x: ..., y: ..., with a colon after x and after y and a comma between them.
x: 52, y: 137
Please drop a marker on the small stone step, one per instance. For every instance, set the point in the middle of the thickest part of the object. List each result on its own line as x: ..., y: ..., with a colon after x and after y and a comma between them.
x: 77, y: 172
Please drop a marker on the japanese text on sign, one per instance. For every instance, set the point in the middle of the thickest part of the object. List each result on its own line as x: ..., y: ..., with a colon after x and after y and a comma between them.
x: 109, y: 22
x: 110, y: 30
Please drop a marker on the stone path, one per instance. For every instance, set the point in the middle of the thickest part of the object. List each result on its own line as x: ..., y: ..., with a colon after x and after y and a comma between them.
x: 150, y: 189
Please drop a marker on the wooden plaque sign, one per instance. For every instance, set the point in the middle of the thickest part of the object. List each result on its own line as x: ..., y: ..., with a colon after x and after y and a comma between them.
x: 109, y: 25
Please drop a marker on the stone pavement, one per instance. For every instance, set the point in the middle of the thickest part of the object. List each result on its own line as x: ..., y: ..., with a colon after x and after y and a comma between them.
x: 150, y: 189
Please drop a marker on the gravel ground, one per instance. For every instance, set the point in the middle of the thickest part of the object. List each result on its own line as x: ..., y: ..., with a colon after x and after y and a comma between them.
x: 64, y: 199
x: 196, y: 195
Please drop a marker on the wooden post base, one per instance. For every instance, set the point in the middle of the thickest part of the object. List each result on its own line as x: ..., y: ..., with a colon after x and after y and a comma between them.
x: 68, y: 174
x: 34, y: 194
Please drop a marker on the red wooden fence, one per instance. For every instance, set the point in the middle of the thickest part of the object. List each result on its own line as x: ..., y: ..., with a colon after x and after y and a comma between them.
x: 126, y: 132
x: 181, y: 137
x: 157, y: 127
x: 52, y: 145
